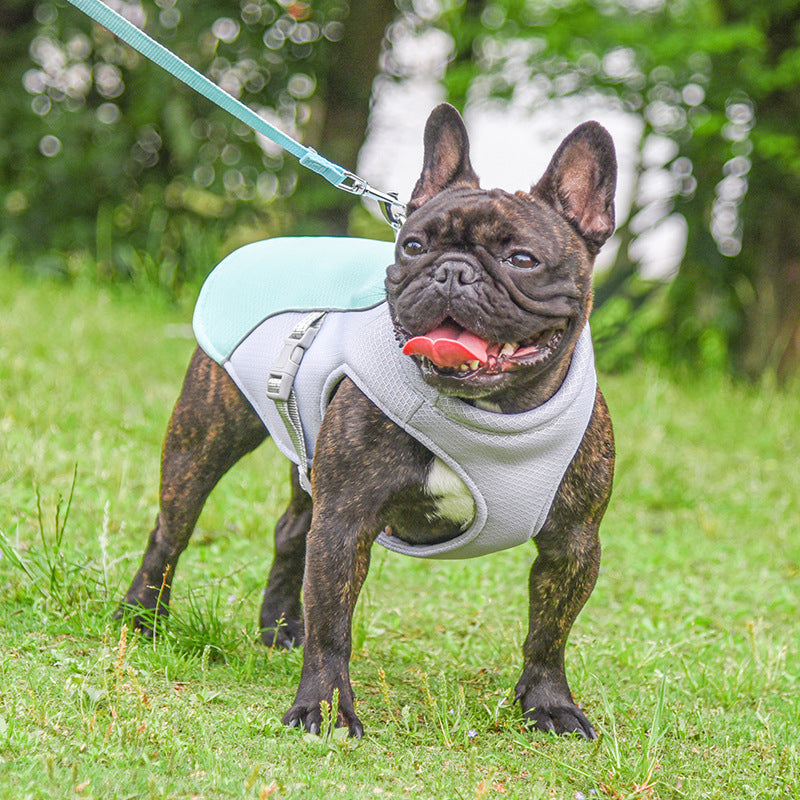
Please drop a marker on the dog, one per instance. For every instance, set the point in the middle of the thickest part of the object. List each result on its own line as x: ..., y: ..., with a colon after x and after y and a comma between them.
x: 483, y: 336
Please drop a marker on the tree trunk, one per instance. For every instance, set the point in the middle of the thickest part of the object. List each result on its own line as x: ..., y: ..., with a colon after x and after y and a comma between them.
x: 15, y: 13
x: 340, y: 115
x: 771, y: 211
x: 771, y: 336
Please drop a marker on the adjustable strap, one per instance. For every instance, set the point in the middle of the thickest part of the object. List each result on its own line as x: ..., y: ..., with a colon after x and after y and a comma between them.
x: 280, y: 386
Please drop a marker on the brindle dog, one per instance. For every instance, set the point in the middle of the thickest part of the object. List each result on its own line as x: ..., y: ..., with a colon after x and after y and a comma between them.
x: 514, y: 272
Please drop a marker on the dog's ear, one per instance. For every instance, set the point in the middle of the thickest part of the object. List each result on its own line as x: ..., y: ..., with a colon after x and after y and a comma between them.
x: 446, y: 162
x: 580, y: 183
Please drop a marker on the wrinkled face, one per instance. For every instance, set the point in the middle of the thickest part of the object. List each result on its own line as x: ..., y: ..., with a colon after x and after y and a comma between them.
x: 488, y: 289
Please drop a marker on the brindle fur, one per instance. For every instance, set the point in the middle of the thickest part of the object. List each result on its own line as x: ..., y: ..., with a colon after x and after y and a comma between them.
x: 369, y: 475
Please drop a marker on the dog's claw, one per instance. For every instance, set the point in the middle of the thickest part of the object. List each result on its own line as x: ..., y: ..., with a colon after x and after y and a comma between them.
x: 310, y: 720
x: 549, y: 708
x: 561, y: 721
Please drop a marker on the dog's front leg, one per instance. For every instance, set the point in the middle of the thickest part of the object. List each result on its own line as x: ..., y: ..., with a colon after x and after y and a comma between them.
x: 337, y: 560
x: 282, y: 609
x: 561, y: 581
x: 350, y: 483
x: 562, y: 578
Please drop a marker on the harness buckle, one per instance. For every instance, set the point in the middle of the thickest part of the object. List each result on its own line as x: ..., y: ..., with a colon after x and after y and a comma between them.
x: 283, y: 371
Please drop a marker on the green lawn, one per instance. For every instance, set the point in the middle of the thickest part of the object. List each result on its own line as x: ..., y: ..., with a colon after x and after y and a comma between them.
x: 686, y: 656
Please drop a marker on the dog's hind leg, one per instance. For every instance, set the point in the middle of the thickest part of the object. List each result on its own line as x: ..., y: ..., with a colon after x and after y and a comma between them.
x: 211, y: 428
x: 282, y: 610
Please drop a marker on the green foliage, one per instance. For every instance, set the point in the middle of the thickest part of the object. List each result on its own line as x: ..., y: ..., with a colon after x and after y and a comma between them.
x: 108, y: 164
x: 48, y: 570
x: 720, y: 79
x: 101, y: 151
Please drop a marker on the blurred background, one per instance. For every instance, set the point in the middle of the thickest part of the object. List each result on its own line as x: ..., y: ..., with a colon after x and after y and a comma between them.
x: 112, y: 171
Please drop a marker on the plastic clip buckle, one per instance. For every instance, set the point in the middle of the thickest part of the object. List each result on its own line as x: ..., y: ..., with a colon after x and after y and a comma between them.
x: 281, y: 376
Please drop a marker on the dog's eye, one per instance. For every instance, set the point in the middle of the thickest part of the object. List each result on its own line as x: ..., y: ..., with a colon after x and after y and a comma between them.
x: 523, y: 261
x: 413, y: 247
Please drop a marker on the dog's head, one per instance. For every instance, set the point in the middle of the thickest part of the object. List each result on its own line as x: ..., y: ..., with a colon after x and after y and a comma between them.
x: 490, y: 290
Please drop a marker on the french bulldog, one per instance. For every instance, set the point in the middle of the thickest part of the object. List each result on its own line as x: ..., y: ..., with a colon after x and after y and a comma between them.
x: 488, y: 302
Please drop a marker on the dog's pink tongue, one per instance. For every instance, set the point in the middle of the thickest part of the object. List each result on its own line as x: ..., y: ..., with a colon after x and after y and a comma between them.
x: 448, y: 346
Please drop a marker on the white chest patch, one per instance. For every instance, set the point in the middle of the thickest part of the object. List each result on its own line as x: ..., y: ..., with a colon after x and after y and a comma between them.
x: 453, y: 499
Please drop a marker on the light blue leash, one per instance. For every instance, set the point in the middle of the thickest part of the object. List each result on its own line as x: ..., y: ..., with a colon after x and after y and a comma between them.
x: 392, y: 208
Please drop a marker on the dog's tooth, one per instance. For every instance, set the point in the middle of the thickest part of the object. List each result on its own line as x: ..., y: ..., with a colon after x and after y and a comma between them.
x: 508, y: 349
x: 474, y: 364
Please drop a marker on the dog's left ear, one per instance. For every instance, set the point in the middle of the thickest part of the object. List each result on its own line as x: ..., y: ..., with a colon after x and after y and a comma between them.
x: 446, y: 161
x: 580, y: 183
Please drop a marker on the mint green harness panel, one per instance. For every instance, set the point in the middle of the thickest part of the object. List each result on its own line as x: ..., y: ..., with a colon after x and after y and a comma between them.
x: 287, y: 274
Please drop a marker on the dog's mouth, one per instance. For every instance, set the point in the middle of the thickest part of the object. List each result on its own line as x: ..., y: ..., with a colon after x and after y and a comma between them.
x: 452, y: 351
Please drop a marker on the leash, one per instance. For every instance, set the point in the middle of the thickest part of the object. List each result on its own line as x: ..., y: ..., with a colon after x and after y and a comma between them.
x: 393, y: 210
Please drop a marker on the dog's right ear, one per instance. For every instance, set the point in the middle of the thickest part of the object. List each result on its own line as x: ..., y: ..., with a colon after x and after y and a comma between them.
x: 446, y: 162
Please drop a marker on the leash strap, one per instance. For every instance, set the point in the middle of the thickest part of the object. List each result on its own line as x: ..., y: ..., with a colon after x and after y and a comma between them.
x: 280, y: 387
x: 393, y: 210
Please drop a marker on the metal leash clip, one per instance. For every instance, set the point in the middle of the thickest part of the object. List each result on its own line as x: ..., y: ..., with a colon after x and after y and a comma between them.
x: 394, y: 212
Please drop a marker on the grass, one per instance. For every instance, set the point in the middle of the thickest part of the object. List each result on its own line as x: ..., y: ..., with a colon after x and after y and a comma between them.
x: 686, y: 656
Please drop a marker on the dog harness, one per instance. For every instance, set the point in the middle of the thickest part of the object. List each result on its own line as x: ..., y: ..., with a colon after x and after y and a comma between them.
x: 289, y: 318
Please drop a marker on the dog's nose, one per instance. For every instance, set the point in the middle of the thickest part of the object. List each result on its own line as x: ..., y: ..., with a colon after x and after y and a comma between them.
x: 455, y: 273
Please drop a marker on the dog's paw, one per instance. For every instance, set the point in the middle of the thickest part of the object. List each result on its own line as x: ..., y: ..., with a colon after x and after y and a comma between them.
x: 561, y: 720
x: 143, y: 620
x: 310, y: 718
x: 334, y: 694
x: 283, y: 635
x: 549, y: 707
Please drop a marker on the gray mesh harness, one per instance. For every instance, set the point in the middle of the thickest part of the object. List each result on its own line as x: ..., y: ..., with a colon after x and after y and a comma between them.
x: 512, y: 464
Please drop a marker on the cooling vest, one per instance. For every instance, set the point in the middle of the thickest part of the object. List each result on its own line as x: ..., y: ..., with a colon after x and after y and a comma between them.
x: 512, y: 464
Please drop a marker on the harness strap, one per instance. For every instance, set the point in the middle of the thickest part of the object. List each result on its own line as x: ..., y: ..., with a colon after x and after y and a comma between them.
x: 280, y: 387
